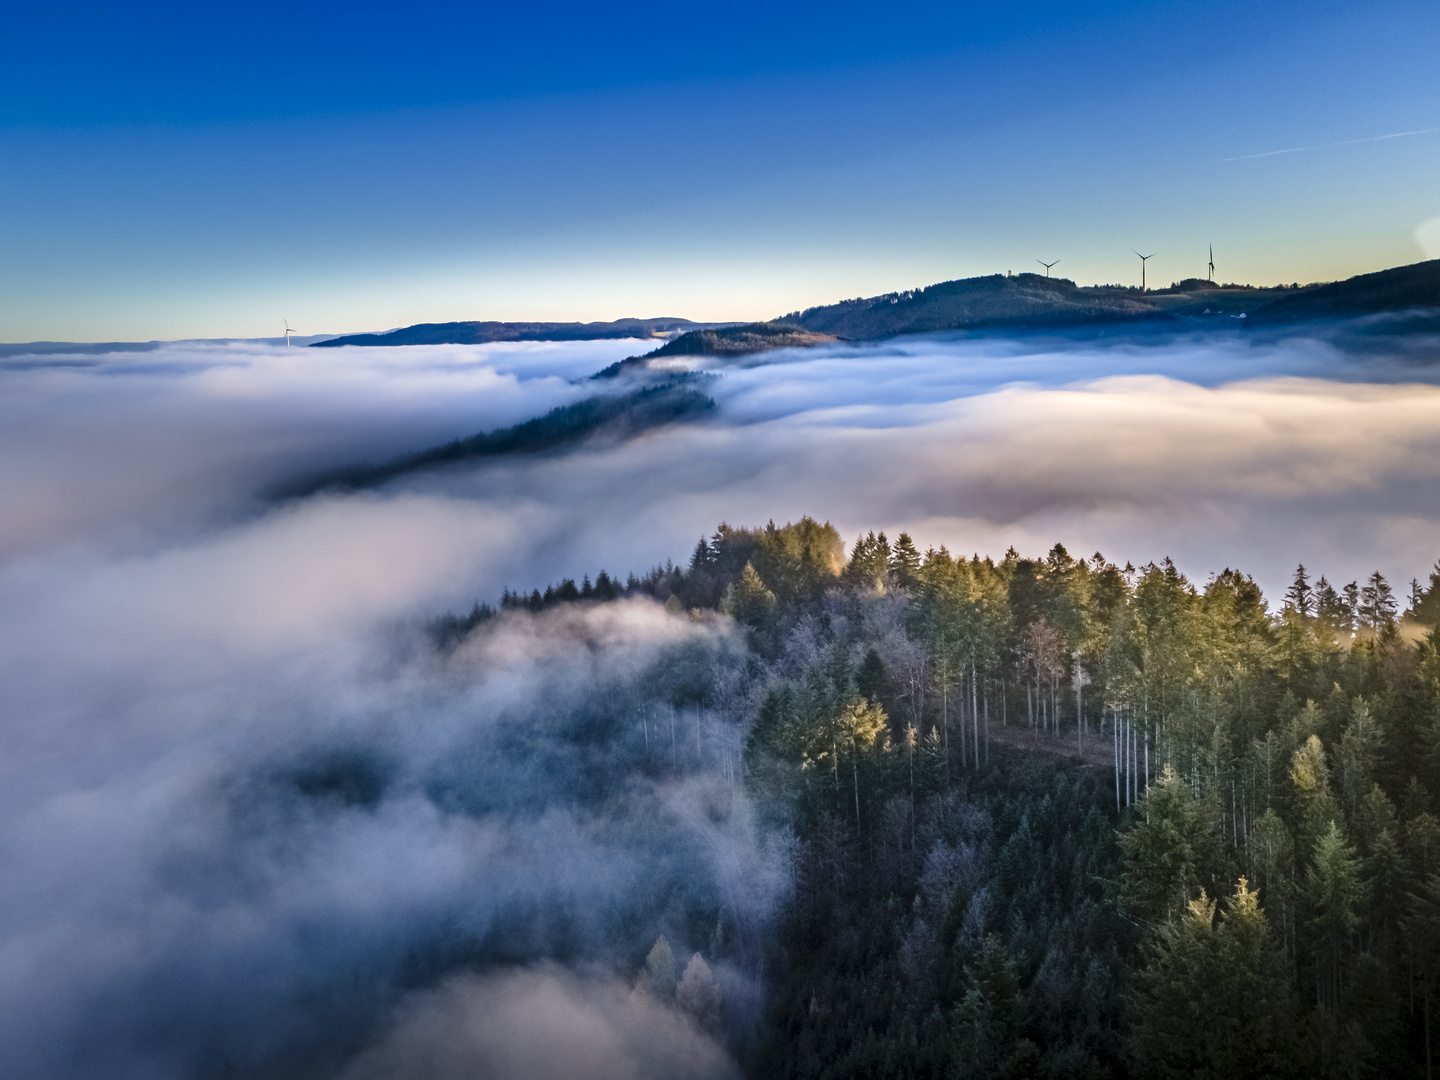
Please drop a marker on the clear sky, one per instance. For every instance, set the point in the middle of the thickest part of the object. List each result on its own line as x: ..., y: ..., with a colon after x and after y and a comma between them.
x: 209, y: 170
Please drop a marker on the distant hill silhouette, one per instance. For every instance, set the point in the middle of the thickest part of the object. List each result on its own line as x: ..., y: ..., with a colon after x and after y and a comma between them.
x: 480, y: 333
x: 739, y: 340
x: 1401, y: 288
x: 615, y: 417
x: 720, y: 341
x: 1022, y: 301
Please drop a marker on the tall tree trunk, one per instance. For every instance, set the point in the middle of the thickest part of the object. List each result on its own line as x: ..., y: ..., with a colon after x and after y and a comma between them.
x: 1428, y: 1074
x: 945, y: 721
x: 910, y: 745
x: 855, y: 767
x: 1115, y: 741
x: 974, y: 712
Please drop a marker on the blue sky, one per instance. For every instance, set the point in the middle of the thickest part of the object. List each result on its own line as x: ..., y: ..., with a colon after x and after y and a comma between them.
x: 200, y: 171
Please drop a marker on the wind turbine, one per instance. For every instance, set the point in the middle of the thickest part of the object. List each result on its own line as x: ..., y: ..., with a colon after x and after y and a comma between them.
x: 1143, y: 260
x: 1047, y: 266
x: 288, y: 332
x: 1212, y: 263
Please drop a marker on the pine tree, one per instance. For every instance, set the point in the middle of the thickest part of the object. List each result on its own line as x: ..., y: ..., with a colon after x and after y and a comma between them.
x: 699, y: 993
x: 658, y: 977
x: 1351, y: 606
x: 1333, y: 894
x: 987, y: 1021
x: 1377, y: 606
x: 1214, y: 1001
x: 1299, y: 596
x: 749, y: 601
x: 869, y: 561
x: 904, y: 560
x: 1316, y: 807
x: 872, y: 680
x: 861, y: 728
x: 1169, y: 852
x: 1421, y: 927
x: 1425, y: 608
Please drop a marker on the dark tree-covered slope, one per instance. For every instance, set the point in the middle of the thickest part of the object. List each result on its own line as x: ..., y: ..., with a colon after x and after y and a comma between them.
x: 1025, y: 300
x: 614, y: 416
x: 479, y: 333
x: 741, y: 340
x: 1020, y: 302
x: 1055, y: 817
x: 1397, y: 289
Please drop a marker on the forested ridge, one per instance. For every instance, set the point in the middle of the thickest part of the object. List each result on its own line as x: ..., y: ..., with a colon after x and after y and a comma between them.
x: 1058, y: 817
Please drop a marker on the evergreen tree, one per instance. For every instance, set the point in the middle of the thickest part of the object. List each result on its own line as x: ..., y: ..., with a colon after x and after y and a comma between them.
x: 1170, y: 852
x: 750, y: 602
x: 869, y: 561
x: 1425, y: 609
x: 1299, y: 596
x: 904, y: 560
x: 1421, y: 927
x: 1377, y: 607
x: 1333, y: 895
x: 873, y: 680
x: 1214, y: 1001
x: 987, y: 1021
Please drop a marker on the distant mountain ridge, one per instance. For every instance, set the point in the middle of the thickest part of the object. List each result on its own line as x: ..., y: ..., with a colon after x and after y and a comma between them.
x: 1401, y: 288
x: 1021, y: 301
x: 480, y: 333
x: 995, y: 301
x: 1029, y: 301
x: 616, y: 417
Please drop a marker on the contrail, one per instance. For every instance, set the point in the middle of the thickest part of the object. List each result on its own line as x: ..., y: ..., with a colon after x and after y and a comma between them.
x: 1326, y: 146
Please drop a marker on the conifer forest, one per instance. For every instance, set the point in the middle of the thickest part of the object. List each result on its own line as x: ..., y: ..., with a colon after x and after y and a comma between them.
x: 1050, y: 816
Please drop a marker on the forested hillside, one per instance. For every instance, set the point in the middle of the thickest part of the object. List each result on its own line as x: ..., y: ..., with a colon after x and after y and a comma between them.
x: 1058, y: 817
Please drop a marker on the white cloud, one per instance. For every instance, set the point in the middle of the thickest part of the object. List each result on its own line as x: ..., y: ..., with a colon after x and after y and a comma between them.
x: 1427, y: 235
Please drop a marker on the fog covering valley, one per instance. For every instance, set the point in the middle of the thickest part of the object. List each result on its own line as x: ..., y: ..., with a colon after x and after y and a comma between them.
x: 254, y: 822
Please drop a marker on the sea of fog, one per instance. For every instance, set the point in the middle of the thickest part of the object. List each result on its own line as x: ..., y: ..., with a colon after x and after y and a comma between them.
x: 251, y: 823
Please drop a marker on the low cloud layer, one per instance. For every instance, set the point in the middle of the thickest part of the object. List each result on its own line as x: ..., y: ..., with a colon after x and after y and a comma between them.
x: 252, y: 821
x: 113, y: 445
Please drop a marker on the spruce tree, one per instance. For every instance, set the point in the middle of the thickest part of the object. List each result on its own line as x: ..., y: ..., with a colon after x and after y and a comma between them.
x: 1299, y: 596
x: 904, y: 560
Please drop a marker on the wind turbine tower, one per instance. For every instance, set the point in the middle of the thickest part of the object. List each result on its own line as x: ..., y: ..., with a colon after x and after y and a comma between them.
x: 1047, y: 266
x: 288, y: 332
x: 1212, y: 263
x: 1143, y: 260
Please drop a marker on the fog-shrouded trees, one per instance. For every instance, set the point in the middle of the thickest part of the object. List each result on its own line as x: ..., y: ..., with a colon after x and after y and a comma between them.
x: 1055, y: 816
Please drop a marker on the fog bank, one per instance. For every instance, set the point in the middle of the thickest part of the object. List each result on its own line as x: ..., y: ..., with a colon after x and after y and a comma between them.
x: 253, y: 822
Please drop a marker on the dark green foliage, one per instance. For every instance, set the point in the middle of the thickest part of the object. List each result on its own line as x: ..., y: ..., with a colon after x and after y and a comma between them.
x: 1171, y: 852
x: 1008, y: 789
x: 988, y: 1037
x: 996, y: 300
x: 1396, y: 289
x: 1214, y: 1002
x: 740, y: 340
